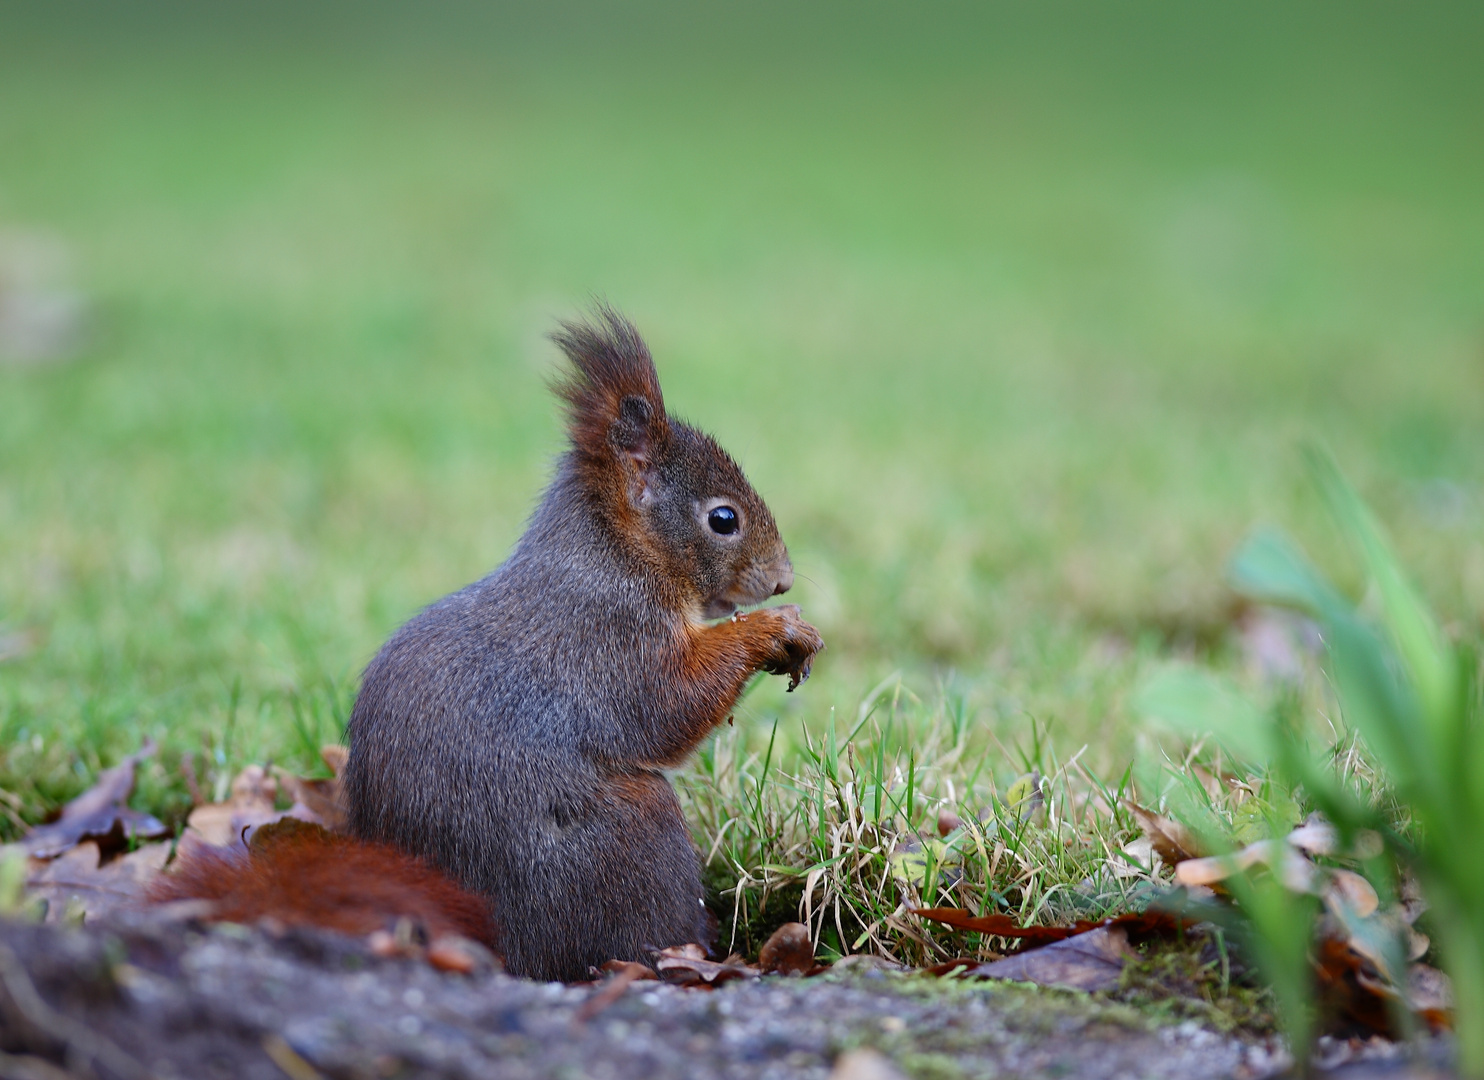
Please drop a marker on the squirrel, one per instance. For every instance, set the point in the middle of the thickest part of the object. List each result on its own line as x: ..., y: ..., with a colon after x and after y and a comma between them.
x: 514, y: 735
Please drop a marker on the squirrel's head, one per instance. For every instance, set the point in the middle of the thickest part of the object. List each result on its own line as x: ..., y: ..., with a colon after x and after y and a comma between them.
x: 671, y: 496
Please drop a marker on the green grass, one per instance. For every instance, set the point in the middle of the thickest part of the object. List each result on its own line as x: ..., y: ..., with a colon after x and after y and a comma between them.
x: 1015, y: 316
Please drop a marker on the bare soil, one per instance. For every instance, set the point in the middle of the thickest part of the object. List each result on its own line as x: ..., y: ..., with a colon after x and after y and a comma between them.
x: 143, y: 995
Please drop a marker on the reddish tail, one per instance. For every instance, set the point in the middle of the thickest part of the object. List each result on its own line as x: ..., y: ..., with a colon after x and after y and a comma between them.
x: 303, y: 875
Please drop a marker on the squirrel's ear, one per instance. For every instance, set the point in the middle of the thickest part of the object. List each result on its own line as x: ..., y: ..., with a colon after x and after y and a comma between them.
x: 614, y: 404
x: 633, y: 432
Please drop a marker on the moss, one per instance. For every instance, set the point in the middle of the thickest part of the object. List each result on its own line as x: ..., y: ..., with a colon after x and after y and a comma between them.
x: 763, y: 915
x: 1189, y: 979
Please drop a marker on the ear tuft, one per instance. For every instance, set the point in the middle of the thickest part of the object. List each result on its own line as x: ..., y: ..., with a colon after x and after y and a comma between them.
x: 612, y: 391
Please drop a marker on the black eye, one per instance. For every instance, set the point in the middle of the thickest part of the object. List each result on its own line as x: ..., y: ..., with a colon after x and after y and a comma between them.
x: 723, y: 520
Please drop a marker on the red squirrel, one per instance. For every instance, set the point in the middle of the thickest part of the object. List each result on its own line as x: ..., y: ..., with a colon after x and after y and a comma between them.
x: 514, y: 734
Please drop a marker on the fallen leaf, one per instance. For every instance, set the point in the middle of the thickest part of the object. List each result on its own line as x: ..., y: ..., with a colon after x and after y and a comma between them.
x: 449, y: 952
x: 640, y: 972
x: 1352, y: 977
x: 948, y: 967
x: 335, y: 756
x: 1172, y: 842
x: 384, y: 944
x: 1091, y: 961
x: 319, y: 802
x: 1152, y: 921
x: 913, y: 858
x: 681, y: 965
x: 1141, y: 855
x: 997, y: 925
x: 1209, y: 781
x: 1417, y: 944
x: 99, y: 814
x: 1351, y: 987
x: 1026, y: 796
x: 1214, y: 868
x: 251, y: 803
x: 1316, y: 836
x: 788, y: 951
x: 80, y: 879
x: 1430, y: 994
x: 1350, y: 889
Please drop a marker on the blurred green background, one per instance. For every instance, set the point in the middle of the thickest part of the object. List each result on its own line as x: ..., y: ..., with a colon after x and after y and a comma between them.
x: 1016, y: 315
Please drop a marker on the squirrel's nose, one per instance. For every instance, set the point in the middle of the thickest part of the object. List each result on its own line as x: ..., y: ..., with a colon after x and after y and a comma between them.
x: 785, y: 579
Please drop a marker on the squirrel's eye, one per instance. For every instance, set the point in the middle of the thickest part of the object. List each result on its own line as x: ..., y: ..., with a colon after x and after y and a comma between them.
x: 723, y: 520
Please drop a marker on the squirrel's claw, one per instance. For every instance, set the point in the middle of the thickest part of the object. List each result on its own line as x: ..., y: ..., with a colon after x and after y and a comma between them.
x: 798, y: 676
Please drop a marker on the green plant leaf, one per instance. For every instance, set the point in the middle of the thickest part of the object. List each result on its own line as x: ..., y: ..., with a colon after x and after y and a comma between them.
x: 1430, y: 665
x: 1196, y: 702
x: 1270, y: 568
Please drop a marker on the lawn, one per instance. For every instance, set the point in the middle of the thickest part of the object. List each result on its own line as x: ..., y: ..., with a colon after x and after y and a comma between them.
x: 1017, y: 316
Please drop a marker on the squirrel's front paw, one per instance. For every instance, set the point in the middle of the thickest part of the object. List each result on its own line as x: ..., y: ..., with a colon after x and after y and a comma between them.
x: 795, y: 644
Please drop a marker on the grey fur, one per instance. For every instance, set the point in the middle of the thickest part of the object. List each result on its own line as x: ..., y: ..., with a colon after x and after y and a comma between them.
x: 513, y: 733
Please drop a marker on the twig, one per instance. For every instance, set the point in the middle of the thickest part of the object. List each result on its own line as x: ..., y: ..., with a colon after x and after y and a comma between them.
x: 610, y: 992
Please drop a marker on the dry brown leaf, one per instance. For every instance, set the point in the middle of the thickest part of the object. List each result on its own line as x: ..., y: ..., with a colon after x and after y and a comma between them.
x: 1141, y: 851
x: 1316, y: 836
x: 1149, y: 922
x: 1172, y: 842
x: 1091, y: 961
x: 254, y: 803
x: 997, y: 925
x: 335, y: 756
x: 251, y: 803
x: 788, y: 951
x: 78, y: 879
x: 1431, y: 996
x: 254, y: 798
x: 1352, y: 986
x: 1349, y: 888
x: 948, y: 967
x: 1214, y: 868
x: 99, y: 814
x: 1417, y: 944
x: 1210, y: 783
x: 638, y: 971
x: 456, y: 954
x: 319, y: 802
x: 681, y: 964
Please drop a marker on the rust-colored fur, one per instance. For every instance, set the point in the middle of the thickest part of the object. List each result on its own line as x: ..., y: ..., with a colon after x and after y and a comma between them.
x: 303, y: 875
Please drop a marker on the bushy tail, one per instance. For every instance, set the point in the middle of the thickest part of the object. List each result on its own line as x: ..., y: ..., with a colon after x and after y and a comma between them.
x: 304, y: 875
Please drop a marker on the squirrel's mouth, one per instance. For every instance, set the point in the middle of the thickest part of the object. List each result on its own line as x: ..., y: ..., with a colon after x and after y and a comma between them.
x: 719, y: 609
x: 754, y: 588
